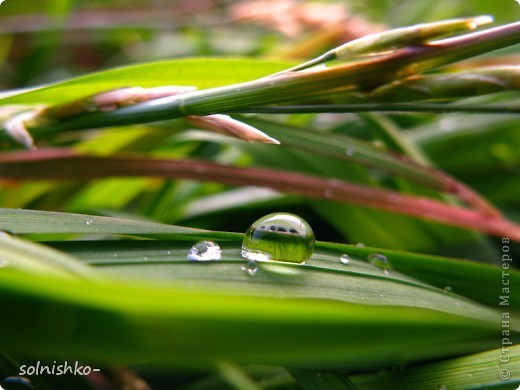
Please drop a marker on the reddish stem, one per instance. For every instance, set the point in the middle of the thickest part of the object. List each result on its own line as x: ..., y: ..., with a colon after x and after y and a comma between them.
x: 65, y: 164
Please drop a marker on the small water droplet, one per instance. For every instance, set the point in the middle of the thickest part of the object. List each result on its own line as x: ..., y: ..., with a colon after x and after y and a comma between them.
x: 17, y: 383
x: 350, y: 152
x: 380, y: 261
x: 89, y: 221
x: 204, y: 251
x: 145, y: 258
x: 448, y: 289
x: 169, y: 252
x: 344, y: 259
x: 251, y: 267
x: 360, y: 245
x: 279, y: 236
x: 328, y: 194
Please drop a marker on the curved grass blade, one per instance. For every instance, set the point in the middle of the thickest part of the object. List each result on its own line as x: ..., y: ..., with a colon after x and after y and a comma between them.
x: 317, y: 380
x: 460, y: 275
x: 350, y: 149
x: 47, y: 164
x: 478, y: 371
x: 200, y: 72
x: 31, y: 258
x: 322, y: 277
x: 31, y: 221
x: 129, y: 322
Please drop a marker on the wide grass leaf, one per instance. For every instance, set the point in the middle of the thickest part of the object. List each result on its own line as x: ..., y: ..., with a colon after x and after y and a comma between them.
x: 199, y: 72
x: 149, y: 304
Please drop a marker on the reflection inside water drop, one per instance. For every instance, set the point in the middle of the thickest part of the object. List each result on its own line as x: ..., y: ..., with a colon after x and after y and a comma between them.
x: 279, y: 236
x: 204, y: 251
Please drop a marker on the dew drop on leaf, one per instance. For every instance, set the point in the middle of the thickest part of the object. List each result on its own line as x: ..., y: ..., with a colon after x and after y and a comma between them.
x: 251, y: 267
x: 380, y: 261
x: 279, y: 236
x: 89, y: 221
x: 344, y: 259
x: 204, y: 251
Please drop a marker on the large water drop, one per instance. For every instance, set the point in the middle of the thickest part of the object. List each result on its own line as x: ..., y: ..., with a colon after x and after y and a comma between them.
x: 279, y: 236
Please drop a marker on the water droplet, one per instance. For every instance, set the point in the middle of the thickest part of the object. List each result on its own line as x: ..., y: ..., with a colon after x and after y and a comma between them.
x: 328, y: 194
x: 380, y: 261
x: 360, y: 245
x: 17, y: 383
x: 279, y: 236
x: 350, y: 152
x: 441, y: 387
x: 204, y: 251
x: 344, y: 259
x: 89, y: 221
x: 448, y: 289
x: 145, y: 258
x: 251, y: 267
x: 169, y: 252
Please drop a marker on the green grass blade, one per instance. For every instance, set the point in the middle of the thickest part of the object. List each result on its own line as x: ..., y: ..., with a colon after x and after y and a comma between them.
x: 37, y: 259
x: 129, y: 323
x: 317, y: 380
x: 26, y: 221
x: 480, y: 371
x: 199, y: 72
x: 144, y: 308
x: 460, y: 275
